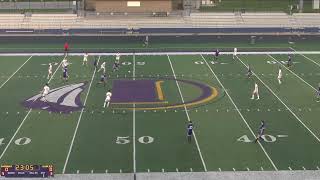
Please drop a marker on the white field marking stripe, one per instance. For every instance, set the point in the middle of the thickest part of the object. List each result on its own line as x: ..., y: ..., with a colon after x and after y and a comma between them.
x: 79, y: 119
x: 15, y: 72
x: 185, y: 108
x: 292, y: 72
x: 14, y: 135
x: 306, y: 57
x: 164, y: 53
x: 134, y: 120
x: 244, y: 120
x: 282, y: 102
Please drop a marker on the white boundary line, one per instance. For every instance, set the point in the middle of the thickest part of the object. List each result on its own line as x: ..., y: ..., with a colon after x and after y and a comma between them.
x: 185, y: 108
x: 162, y: 53
x: 14, y: 135
x: 244, y: 120
x: 134, y: 122
x: 292, y: 72
x: 306, y: 57
x: 15, y: 72
x: 79, y: 119
x: 282, y: 102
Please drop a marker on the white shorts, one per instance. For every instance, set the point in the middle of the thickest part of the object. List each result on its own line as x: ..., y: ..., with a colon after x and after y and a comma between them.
x: 117, y: 58
x: 108, y: 98
x: 279, y: 77
x: 255, y: 92
x: 85, y: 59
x: 44, y: 94
x: 50, y: 72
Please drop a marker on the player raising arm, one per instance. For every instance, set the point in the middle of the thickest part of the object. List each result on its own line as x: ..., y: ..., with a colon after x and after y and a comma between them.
x: 108, y: 99
x: 103, y: 67
x: 255, y: 91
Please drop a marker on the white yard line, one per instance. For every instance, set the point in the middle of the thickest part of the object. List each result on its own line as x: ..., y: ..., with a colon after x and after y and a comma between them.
x: 15, y: 72
x: 134, y: 121
x: 16, y: 132
x: 244, y: 120
x: 306, y: 57
x: 314, y: 135
x: 186, y: 111
x: 293, y: 72
x: 78, y: 123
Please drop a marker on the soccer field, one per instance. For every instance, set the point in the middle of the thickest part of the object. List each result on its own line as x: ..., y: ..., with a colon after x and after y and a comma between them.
x: 154, y: 97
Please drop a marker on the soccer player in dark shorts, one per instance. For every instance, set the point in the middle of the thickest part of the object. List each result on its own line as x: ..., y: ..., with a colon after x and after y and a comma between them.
x: 261, y: 131
x: 189, y: 131
x: 95, y: 63
x: 66, y: 48
x: 216, y: 54
x: 249, y: 72
x: 115, y: 66
x: 65, y: 75
x: 318, y: 93
x: 103, y: 78
x: 289, y: 63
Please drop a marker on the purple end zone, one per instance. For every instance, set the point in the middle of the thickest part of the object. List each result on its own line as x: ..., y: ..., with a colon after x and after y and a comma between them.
x: 134, y: 91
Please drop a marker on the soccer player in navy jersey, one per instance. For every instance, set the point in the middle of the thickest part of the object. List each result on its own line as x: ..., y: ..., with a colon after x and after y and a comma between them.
x: 289, y: 62
x: 216, y: 54
x: 261, y: 131
x: 189, y: 131
x: 103, y: 78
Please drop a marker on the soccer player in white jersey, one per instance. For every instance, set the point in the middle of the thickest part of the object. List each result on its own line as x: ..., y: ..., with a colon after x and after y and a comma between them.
x: 279, y: 75
x: 235, y: 50
x: 118, y: 57
x: 85, y: 59
x: 255, y: 91
x: 45, y: 92
x: 49, y: 71
x: 64, y: 63
x: 103, y: 67
x: 108, y: 99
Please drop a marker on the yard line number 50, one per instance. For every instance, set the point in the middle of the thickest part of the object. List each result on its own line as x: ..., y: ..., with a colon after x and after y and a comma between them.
x: 142, y: 139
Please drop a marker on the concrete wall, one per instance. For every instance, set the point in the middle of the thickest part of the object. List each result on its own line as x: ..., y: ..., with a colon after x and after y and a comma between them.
x: 121, y: 6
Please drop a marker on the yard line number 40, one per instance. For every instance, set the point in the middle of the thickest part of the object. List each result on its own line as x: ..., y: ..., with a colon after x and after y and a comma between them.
x: 19, y: 141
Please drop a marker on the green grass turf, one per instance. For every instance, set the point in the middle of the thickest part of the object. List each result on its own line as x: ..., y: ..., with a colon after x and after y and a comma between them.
x: 218, y: 124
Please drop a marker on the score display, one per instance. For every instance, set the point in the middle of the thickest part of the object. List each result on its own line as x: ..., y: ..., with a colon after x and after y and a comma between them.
x: 27, y: 170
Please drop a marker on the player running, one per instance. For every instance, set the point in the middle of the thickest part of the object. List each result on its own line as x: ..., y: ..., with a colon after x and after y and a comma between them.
x: 103, y: 67
x: 216, y: 54
x: 49, y: 71
x: 45, y: 92
x: 95, y: 63
x: 64, y: 63
x: 289, y: 62
x: 103, y: 78
x: 85, y: 59
x: 189, y: 131
x: 65, y: 74
x: 108, y: 99
x: 279, y: 75
x: 235, y: 51
x: 255, y: 91
x: 318, y: 93
x: 261, y: 131
x: 249, y: 72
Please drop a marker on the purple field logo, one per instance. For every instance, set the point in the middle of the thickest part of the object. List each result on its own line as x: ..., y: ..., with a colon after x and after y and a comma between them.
x: 63, y: 99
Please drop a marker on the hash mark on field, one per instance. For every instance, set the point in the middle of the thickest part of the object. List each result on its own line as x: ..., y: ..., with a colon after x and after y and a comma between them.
x: 191, y: 170
x: 220, y: 169
x: 318, y: 168
x: 248, y: 169
x: 120, y: 170
x: 233, y: 169
x: 91, y: 171
x: 148, y: 170
x: 106, y: 171
x: 177, y: 170
x: 77, y: 171
x: 162, y: 170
